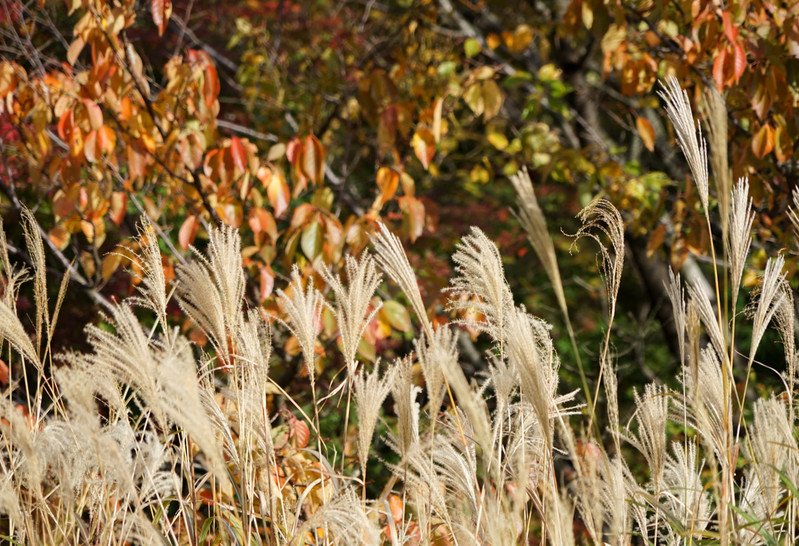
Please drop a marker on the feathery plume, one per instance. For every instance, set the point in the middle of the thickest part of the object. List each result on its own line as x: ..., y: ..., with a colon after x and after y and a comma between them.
x: 774, y: 450
x: 480, y: 276
x: 676, y: 296
x: 792, y: 214
x: 370, y: 392
x: 352, y: 303
x: 651, y: 415
x: 11, y: 329
x: 601, y: 216
x: 36, y: 252
x: 739, y: 239
x: 303, y: 311
x: 211, y: 291
x: 532, y: 220
x: 685, y: 495
x: 431, y: 352
x: 769, y: 298
x: 392, y: 259
x: 694, y: 147
x: 152, y: 289
x: 701, y: 303
x: 404, y: 393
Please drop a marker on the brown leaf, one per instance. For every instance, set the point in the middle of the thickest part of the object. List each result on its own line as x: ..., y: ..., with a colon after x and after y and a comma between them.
x: 312, y: 159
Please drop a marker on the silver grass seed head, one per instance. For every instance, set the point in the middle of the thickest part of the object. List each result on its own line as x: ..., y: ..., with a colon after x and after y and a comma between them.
x: 353, y: 301
x: 689, y: 135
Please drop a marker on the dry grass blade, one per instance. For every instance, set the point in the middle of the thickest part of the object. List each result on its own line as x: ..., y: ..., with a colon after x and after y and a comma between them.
x: 392, y: 259
x: 678, y: 108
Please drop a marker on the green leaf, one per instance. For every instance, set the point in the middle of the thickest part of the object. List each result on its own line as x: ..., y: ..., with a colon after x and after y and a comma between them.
x: 397, y: 315
x: 311, y: 241
x: 472, y: 47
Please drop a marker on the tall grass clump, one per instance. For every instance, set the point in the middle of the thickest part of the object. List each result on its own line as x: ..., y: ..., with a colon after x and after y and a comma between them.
x: 146, y: 438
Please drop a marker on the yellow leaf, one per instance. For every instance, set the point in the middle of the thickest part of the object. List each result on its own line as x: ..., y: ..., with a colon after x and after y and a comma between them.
x: 110, y: 265
x: 424, y: 146
x: 387, y: 182
x: 498, y: 140
x: 492, y: 99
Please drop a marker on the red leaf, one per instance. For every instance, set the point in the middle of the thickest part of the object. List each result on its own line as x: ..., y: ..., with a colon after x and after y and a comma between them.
x: 261, y: 221
x: 718, y: 69
x: 210, y: 85
x: 239, y: 154
x: 412, y: 217
x: 161, y: 10
x: 65, y: 124
x: 188, y: 231
x: 90, y: 147
x: 739, y: 62
x: 730, y: 30
x: 267, y: 279
x: 293, y: 150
